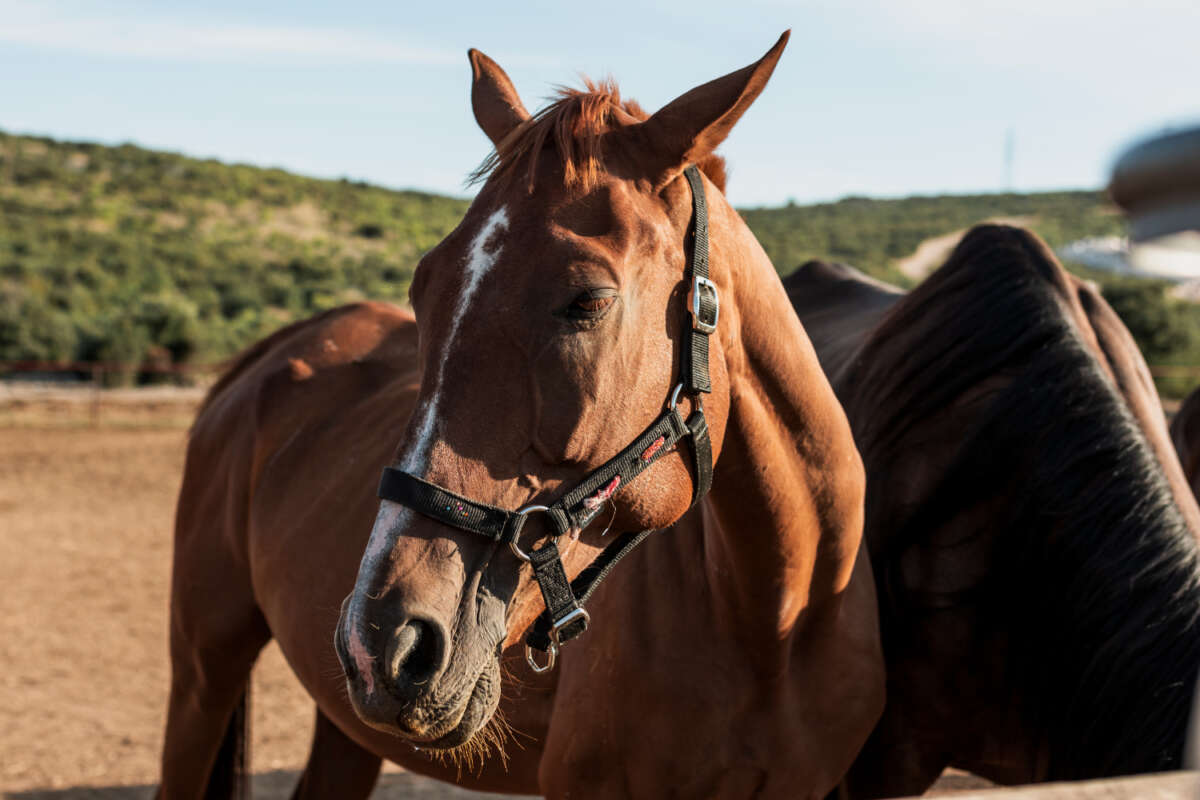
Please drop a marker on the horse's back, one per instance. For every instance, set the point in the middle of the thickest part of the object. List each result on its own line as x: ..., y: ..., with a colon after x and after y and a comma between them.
x: 838, y: 305
x: 373, y: 339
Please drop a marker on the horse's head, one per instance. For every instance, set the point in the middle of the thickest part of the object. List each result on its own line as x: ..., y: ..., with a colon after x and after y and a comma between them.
x: 553, y: 325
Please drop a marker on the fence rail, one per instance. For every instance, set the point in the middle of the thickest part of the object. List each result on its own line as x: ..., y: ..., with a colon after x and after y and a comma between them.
x: 101, y: 367
x: 71, y: 394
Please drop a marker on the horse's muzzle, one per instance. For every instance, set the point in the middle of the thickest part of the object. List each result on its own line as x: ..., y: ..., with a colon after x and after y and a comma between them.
x: 396, y: 679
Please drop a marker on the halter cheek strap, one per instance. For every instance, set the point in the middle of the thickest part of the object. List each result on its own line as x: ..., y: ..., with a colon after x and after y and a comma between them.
x: 565, y: 617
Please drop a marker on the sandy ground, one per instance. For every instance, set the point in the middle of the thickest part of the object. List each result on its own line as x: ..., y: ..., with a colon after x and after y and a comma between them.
x: 85, y: 542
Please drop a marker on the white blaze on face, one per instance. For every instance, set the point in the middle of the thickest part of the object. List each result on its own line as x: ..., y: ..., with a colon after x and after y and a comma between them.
x: 479, y: 262
x: 393, y: 517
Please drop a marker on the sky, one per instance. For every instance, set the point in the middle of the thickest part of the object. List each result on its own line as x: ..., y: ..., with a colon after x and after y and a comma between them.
x: 872, y: 97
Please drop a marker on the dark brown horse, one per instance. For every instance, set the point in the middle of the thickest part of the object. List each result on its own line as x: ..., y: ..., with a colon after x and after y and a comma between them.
x: 1030, y: 529
x: 1185, y: 434
x: 735, y: 653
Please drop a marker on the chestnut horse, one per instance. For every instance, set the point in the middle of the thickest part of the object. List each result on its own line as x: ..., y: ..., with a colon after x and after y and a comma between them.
x: 1030, y: 529
x: 735, y: 653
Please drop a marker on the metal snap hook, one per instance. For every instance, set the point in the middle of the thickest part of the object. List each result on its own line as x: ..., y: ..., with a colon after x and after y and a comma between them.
x: 551, y: 653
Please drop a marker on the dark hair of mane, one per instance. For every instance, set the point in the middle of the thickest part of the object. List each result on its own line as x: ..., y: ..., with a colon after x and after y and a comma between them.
x: 575, y: 125
x: 1091, y: 571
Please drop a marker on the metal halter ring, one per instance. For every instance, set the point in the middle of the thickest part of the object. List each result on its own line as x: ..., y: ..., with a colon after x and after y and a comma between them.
x: 696, y: 399
x: 551, y: 653
x: 521, y: 554
x: 674, y: 396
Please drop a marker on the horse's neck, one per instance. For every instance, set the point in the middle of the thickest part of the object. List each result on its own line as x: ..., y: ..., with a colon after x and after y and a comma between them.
x: 787, y: 500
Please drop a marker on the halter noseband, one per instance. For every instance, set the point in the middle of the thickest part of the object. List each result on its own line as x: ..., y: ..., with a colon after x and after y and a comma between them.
x: 565, y: 617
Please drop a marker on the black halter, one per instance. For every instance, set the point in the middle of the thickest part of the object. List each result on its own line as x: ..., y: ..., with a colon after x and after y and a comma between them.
x: 564, y: 617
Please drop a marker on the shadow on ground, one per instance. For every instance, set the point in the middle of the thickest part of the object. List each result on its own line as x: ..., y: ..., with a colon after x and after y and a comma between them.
x: 275, y: 785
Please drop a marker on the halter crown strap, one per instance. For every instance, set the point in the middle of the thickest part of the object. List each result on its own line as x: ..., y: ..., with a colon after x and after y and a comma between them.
x: 704, y: 301
x: 564, y: 617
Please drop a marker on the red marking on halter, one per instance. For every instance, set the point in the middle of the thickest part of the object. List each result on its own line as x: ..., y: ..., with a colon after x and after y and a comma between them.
x: 649, y: 452
x: 602, y: 494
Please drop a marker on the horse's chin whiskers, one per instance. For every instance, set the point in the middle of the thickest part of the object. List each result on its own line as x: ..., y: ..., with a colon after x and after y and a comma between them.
x: 486, y: 743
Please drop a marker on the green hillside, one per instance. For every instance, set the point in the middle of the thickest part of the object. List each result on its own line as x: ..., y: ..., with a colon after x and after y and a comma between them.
x: 121, y: 254
x: 873, y: 234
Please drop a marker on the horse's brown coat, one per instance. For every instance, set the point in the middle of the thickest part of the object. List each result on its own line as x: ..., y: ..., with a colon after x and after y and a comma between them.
x: 735, y: 654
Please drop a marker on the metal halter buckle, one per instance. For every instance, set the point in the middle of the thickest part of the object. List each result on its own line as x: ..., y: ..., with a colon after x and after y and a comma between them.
x: 699, y: 321
x: 574, y: 615
x: 552, y: 650
x: 516, y: 548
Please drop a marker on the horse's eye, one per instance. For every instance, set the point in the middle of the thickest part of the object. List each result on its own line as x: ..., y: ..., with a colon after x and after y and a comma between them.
x: 591, y: 304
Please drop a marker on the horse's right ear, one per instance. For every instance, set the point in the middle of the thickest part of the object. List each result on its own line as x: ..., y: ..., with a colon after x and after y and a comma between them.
x: 692, y: 125
x: 498, y: 108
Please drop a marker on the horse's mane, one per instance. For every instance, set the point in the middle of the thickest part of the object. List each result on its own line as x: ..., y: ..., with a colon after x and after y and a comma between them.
x: 1092, y: 572
x: 575, y: 125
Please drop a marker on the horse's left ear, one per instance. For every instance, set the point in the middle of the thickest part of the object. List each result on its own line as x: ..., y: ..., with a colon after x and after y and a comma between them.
x: 692, y: 125
x: 497, y: 106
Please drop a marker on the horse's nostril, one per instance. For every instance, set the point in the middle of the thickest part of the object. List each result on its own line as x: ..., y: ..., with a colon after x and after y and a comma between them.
x: 403, y: 643
x: 414, y: 653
